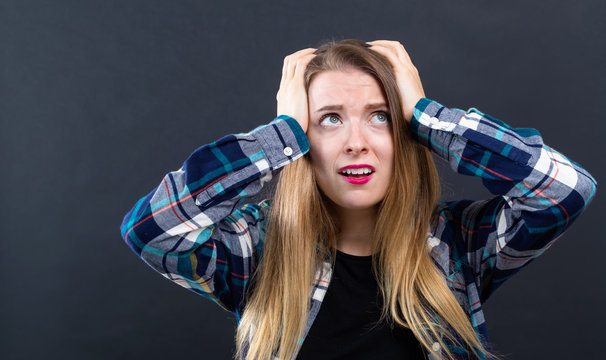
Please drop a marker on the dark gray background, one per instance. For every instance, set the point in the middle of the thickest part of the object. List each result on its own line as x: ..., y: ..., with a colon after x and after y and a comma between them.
x: 99, y: 99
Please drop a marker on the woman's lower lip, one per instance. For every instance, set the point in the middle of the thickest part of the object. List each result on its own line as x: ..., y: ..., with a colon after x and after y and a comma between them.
x: 357, y: 181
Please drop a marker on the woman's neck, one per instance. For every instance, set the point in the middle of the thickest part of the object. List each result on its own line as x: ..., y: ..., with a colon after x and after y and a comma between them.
x: 357, y: 226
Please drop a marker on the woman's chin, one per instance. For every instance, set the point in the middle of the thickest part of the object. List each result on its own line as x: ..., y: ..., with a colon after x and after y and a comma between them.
x: 357, y: 204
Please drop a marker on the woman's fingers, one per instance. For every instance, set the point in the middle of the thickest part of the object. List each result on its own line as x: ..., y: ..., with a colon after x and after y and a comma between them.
x: 291, y: 97
x: 302, y: 65
x: 396, y: 54
x: 407, y: 75
x: 293, y: 60
x: 394, y: 49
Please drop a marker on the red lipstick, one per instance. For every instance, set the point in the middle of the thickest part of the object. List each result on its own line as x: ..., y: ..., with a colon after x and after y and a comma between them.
x: 357, y: 174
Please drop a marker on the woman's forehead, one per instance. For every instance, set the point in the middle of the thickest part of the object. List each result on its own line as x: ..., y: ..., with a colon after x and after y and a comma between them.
x: 344, y: 87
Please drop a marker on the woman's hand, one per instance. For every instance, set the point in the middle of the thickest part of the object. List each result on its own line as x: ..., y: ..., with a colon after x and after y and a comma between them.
x: 291, y: 97
x: 407, y: 76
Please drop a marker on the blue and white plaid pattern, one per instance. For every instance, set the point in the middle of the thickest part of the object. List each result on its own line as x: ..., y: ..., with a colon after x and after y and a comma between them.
x: 196, y: 230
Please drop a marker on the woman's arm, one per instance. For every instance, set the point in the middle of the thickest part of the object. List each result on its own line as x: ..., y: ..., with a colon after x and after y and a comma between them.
x: 540, y: 191
x: 193, y: 228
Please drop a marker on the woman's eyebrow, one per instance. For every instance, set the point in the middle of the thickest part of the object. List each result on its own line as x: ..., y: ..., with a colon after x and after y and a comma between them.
x: 372, y: 106
x: 375, y: 106
x: 330, y: 107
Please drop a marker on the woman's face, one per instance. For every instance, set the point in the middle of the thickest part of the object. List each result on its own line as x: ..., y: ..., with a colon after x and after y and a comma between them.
x: 351, y: 145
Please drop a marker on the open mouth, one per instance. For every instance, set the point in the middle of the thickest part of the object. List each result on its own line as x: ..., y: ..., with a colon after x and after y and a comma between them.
x: 357, y: 174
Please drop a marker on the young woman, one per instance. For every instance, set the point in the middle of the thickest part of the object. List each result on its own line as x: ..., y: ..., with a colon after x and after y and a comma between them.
x: 354, y: 256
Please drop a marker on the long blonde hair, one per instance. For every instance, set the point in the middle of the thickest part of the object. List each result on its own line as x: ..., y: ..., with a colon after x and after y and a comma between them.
x: 415, y: 294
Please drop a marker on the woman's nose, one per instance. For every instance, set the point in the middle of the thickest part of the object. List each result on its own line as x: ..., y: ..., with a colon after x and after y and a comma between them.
x: 356, y: 142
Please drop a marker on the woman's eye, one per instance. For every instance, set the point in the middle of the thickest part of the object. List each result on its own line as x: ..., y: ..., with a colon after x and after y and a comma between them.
x: 380, y: 118
x: 330, y: 120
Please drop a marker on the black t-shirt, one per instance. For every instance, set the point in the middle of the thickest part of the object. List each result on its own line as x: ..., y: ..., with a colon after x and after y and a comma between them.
x: 346, y: 325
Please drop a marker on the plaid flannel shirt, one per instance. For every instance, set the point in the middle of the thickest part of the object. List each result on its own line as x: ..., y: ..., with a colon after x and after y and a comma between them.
x: 196, y: 229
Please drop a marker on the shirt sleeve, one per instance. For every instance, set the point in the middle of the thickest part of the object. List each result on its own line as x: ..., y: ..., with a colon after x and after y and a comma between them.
x: 539, y: 192
x: 195, y: 229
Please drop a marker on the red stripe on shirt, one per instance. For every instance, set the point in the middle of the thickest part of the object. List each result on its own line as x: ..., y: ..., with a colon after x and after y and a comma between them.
x: 170, y: 205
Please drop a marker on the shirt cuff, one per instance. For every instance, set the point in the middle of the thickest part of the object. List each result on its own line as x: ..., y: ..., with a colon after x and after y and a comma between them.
x: 433, y: 125
x: 442, y: 129
x: 283, y: 141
